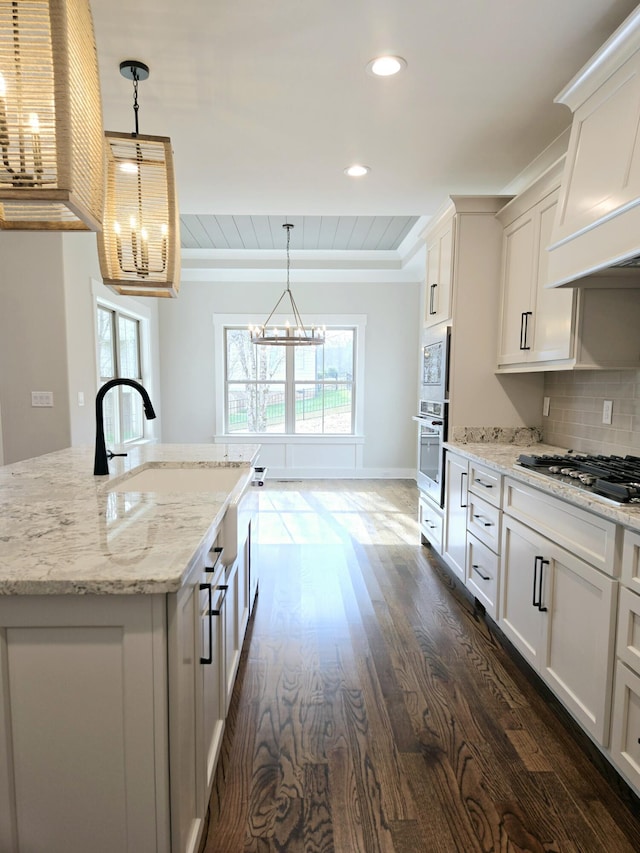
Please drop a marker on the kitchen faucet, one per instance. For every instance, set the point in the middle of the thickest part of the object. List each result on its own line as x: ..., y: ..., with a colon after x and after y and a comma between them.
x: 101, y: 463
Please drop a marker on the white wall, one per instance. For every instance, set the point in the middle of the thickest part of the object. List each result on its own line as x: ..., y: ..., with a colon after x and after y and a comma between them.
x: 47, y: 340
x: 33, y: 350
x: 391, y: 361
x: 83, y: 285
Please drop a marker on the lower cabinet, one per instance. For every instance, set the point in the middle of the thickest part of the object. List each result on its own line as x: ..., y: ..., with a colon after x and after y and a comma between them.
x: 625, y: 728
x: 559, y: 612
x: 112, y: 712
x: 430, y: 522
x: 455, y: 507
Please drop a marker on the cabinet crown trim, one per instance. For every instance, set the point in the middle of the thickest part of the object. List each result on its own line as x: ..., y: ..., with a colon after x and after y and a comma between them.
x: 618, y: 48
x: 545, y: 184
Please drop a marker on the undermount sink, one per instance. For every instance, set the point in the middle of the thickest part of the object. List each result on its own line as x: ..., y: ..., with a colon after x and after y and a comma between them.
x: 164, y: 479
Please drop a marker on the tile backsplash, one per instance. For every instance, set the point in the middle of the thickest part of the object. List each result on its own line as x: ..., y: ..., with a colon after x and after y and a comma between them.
x: 575, y: 412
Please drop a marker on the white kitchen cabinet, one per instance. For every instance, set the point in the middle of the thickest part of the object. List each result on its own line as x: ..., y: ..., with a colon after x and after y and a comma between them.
x: 455, y: 513
x: 484, y: 518
x: 559, y: 612
x: 83, y: 724
x: 545, y: 328
x: 430, y: 520
x: 438, y: 287
x: 625, y: 726
x: 536, y: 323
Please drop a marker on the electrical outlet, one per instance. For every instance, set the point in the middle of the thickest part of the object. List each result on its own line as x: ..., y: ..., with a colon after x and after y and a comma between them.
x: 546, y: 402
x: 42, y: 398
x: 607, y: 411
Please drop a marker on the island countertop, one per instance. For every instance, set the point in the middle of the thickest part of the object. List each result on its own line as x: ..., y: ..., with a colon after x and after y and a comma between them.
x: 63, y: 532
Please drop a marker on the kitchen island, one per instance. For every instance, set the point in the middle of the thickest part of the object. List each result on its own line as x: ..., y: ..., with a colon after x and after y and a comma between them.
x: 121, y: 624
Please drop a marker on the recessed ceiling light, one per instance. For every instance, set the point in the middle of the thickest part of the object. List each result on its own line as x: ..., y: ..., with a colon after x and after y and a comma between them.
x: 386, y: 66
x: 357, y: 171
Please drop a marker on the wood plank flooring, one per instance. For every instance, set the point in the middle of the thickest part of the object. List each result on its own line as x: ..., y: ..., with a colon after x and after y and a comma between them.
x: 376, y: 711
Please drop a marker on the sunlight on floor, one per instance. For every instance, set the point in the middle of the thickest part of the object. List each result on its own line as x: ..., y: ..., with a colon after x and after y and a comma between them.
x: 305, y: 512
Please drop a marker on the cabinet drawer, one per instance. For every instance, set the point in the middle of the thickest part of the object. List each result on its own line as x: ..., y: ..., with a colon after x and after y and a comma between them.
x: 625, y: 744
x: 580, y: 532
x: 483, y: 520
x: 485, y: 483
x: 430, y: 524
x: 631, y: 560
x: 628, y: 636
x: 483, y: 567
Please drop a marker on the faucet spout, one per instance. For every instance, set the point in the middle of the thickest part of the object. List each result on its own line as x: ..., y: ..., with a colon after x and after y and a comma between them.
x: 101, y: 462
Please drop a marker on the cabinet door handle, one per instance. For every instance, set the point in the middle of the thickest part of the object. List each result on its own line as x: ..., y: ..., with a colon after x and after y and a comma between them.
x: 212, y: 612
x: 462, y: 489
x: 432, y: 292
x: 540, y: 607
x: 485, y: 523
x: 524, y: 325
x: 477, y: 568
x: 538, y: 582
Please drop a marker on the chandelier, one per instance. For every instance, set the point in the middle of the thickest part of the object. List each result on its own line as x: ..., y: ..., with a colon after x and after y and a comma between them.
x: 51, y: 144
x: 294, y: 334
x: 139, y: 247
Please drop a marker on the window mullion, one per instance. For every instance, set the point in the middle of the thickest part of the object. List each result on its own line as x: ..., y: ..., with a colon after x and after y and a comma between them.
x: 290, y: 392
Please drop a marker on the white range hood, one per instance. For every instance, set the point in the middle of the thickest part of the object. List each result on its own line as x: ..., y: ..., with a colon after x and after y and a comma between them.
x: 597, y: 226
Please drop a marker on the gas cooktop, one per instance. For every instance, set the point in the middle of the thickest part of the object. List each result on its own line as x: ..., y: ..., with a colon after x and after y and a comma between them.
x: 614, y: 478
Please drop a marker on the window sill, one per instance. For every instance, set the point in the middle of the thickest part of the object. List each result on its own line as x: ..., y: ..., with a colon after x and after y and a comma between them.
x: 284, y: 438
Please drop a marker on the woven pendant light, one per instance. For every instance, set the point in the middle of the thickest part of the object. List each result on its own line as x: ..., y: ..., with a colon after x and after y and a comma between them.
x: 51, y: 142
x: 139, y: 246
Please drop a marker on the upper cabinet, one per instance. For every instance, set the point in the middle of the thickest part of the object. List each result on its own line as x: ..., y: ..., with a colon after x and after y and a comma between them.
x: 544, y: 328
x: 598, y: 218
x: 438, y: 289
x: 536, y: 324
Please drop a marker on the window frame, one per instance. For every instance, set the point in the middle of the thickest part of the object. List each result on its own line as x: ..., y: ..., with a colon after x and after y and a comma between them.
x: 356, y: 322
x: 142, y: 341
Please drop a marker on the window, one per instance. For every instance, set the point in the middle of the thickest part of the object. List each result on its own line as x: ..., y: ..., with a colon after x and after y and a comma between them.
x: 119, y: 357
x: 289, y: 390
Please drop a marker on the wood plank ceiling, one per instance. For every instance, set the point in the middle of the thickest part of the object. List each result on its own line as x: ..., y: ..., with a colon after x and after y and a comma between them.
x: 362, y: 233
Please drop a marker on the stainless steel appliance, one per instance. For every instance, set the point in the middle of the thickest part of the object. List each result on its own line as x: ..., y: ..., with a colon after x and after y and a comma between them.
x: 613, y: 479
x: 432, y: 433
x: 432, y: 411
x: 436, y: 343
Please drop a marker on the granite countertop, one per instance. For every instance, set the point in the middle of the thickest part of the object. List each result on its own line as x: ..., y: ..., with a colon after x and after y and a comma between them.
x: 502, y: 458
x: 63, y: 532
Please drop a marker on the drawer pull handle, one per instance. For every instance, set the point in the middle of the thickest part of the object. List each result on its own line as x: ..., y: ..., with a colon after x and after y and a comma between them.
x: 482, y: 483
x: 218, y: 553
x: 477, y: 568
x: 486, y: 523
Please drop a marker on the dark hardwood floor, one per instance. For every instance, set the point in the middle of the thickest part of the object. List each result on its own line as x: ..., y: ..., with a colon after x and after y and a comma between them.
x: 376, y: 711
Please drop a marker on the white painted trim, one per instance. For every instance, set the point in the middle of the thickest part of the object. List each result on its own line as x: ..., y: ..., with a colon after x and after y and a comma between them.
x: 274, y: 474
x: 618, y: 48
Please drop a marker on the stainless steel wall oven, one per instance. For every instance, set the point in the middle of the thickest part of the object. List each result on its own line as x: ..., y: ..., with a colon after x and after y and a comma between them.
x: 432, y: 417
x: 432, y: 433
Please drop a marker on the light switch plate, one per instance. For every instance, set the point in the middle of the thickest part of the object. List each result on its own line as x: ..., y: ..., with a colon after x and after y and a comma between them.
x: 546, y: 402
x: 42, y: 398
x: 607, y: 411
